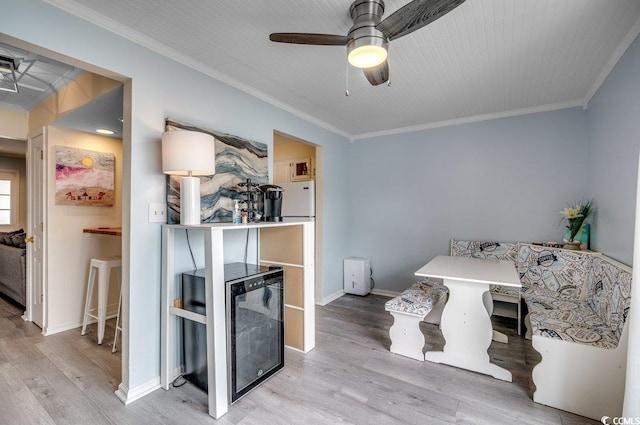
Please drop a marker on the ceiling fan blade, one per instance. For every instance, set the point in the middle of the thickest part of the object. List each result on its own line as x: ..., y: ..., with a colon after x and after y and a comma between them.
x: 415, y: 15
x: 307, y: 38
x: 378, y: 74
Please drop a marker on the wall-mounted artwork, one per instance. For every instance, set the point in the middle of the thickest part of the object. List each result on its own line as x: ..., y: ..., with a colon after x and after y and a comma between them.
x: 84, y: 178
x: 237, y: 160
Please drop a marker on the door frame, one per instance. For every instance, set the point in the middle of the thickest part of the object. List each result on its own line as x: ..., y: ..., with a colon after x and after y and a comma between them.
x: 33, y: 184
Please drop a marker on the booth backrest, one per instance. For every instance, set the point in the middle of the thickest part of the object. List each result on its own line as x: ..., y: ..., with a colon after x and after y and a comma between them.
x: 609, y: 292
x: 553, y: 269
x: 485, y: 250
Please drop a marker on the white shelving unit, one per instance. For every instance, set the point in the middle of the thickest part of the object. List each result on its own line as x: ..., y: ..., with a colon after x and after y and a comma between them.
x: 290, y: 243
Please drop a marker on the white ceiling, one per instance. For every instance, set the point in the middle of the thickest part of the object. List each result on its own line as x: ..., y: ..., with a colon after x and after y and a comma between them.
x: 485, y: 59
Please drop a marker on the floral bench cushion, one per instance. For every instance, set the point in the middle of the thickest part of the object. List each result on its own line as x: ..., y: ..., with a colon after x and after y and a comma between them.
x: 542, y: 269
x: 569, y: 320
x: 419, y: 299
x: 609, y: 292
x: 505, y: 251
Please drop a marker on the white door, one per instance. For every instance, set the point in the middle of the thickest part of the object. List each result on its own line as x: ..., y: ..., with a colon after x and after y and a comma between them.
x: 36, y: 186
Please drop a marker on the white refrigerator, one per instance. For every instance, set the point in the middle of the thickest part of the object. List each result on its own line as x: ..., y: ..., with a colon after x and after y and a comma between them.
x: 299, y: 199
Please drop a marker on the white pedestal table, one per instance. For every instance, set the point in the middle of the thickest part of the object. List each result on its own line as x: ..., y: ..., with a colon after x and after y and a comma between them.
x: 466, y: 322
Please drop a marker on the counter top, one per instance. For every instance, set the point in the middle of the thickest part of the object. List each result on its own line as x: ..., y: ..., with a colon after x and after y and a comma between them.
x: 112, y: 231
x: 233, y: 226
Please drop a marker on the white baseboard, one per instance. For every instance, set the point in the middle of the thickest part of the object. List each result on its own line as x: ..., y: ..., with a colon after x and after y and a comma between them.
x: 129, y: 395
x: 332, y: 297
x: 294, y: 349
x: 336, y: 295
x: 385, y: 293
x: 50, y: 330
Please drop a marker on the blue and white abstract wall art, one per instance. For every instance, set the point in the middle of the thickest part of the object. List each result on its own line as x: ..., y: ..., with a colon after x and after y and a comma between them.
x: 237, y: 160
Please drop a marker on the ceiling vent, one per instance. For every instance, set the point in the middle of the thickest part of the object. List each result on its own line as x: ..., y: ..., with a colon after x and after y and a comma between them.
x: 8, y: 80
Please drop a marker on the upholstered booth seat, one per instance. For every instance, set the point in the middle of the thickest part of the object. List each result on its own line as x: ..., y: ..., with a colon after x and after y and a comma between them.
x: 419, y: 299
x: 569, y: 320
x: 423, y: 301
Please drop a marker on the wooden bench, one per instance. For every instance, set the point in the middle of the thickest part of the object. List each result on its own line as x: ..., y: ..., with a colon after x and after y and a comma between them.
x: 424, y: 300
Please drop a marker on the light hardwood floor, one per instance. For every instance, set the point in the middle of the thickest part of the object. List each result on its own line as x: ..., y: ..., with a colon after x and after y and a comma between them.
x: 351, y: 377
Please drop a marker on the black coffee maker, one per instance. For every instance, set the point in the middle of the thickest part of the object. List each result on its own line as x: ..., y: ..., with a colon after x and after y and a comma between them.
x: 271, y: 202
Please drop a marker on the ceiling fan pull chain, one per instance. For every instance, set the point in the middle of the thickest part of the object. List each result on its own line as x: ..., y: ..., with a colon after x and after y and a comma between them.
x: 346, y: 83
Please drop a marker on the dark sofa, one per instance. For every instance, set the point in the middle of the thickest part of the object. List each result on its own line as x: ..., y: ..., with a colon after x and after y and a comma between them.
x: 13, y: 266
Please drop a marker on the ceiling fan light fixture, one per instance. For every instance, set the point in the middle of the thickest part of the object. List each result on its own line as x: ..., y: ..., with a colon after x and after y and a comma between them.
x: 367, y: 52
x: 367, y: 56
x: 368, y: 38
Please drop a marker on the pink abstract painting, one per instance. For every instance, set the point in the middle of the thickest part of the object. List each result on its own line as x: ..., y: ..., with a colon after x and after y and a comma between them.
x: 84, y: 178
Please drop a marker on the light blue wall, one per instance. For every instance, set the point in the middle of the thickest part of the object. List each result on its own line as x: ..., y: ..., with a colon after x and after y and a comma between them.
x: 614, y: 127
x: 502, y: 180
x: 162, y: 88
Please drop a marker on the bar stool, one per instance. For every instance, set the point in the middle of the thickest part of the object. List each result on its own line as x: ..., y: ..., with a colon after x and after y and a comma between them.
x: 118, y: 324
x: 103, y: 266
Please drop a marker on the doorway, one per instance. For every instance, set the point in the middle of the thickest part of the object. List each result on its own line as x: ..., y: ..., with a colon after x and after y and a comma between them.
x: 60, y: 297
x: 295, y: 159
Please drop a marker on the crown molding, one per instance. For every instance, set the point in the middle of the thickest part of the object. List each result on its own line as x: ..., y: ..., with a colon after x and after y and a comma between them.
x: 613, y: 60
x: 471, y: 119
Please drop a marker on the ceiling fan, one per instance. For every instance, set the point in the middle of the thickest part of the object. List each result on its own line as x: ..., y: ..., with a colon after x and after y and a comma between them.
x: 368, y: 39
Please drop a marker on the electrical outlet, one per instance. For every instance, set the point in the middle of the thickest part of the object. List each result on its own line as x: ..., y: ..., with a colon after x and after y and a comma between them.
x: 157, y: 213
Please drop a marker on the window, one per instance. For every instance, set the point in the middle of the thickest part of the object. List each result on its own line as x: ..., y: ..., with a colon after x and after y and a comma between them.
x: 9, y: 192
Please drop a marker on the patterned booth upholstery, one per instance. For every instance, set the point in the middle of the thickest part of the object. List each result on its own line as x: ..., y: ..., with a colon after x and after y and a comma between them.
x: 578, y: 303
x: 419, y: 299
x: 553, y: 271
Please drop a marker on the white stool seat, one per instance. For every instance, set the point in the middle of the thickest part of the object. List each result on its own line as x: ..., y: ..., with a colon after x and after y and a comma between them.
x: 103, y: 266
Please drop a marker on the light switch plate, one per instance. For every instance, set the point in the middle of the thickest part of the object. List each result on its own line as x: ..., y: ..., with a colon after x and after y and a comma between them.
x: 157, y: 213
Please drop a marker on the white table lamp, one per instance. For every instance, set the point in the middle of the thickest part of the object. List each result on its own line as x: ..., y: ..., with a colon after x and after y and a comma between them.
x: 188, y: 154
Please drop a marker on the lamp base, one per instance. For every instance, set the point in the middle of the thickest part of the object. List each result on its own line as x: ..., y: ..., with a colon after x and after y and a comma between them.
x: 190, y: 200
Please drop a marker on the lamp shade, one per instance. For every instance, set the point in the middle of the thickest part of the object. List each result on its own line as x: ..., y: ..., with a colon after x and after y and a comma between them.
x: 188, y: 153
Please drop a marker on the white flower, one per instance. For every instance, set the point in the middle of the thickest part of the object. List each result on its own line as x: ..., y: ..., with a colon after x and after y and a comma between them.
x: 571, y: 213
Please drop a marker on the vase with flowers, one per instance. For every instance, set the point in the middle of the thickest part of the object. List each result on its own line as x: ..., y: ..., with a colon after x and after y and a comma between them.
x: 575, y: 217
